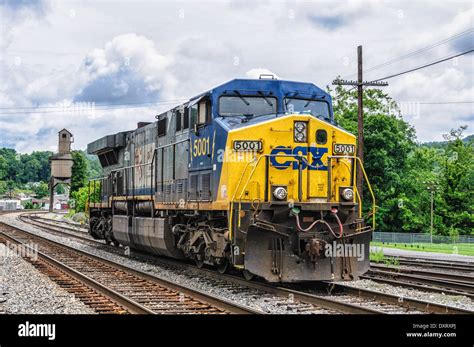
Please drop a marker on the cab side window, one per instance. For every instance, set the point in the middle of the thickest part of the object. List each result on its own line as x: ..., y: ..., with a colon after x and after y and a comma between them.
x: 186, y: 119
x: 178, y: 118
x: 193, y: 115
x: 202, y: 108
x: 200, y: 113
x: 204, y: 111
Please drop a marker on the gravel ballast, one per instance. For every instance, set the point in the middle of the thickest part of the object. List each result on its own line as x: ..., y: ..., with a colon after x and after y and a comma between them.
x: 459, y: 301
x: 24, y: 290
x: 252, y: 298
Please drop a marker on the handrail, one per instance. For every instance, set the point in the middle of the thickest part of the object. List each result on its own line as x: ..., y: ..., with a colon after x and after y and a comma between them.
x: 94, y: 185
x: 371, y: 192
x: 355, y: 188
x: 300, y: 159
x: 296, y: 156
x: 356, y: 193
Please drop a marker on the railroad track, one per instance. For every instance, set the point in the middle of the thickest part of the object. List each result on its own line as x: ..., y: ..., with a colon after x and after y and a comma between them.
x: 460, y: 266
x: 425, y: 286
x: 72, y: 282
x: 121, y: 289
x: 54, y: 223
x: 291, y: 300
x: 344, y: 299
x: 380, y: 302
x: 455, y: 282
x: 55, y: 229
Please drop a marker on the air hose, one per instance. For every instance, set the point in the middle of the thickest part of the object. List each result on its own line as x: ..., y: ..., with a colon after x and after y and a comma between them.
x: 298, y: 225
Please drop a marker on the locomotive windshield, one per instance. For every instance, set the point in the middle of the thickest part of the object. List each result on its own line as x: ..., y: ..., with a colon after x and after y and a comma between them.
x: 246, y: 105
x: 315, y: 107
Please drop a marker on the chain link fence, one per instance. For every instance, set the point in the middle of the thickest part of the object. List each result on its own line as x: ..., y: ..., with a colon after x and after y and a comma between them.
x: 419, y: 238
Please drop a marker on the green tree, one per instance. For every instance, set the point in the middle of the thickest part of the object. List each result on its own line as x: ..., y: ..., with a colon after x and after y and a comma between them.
x: 81, y: 196
x: 422, y: 166
x: 23, y: 168
x: 41, y: 190
x: 457, y: 184
x: 3, y: 167
x: 95, y: 169
x: 79, y: 171
x: 28, y: 205
x: 60, y: 189
x: 388, y: 140
x: 43, y: 170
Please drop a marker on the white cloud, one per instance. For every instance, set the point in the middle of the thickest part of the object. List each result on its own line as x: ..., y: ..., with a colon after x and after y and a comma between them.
x: 257, y: 72
x: 128, y: 68
x: 115, y: 52
x: 14, y: 13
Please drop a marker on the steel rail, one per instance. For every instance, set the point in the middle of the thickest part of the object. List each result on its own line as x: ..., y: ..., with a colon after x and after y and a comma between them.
x: 130, y: 305
x: 445, y: 265
x: 76, y: 234
x: 334, y: 304
x: 408, y: 303
x: 411, y: 284
x: 467, y: 287
x: 306, y: 298
x: 222, y: 304
x: 67, y: 225
x: 448, y: 276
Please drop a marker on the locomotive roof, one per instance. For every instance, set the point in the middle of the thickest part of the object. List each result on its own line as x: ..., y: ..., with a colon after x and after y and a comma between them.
x: 277, y: 87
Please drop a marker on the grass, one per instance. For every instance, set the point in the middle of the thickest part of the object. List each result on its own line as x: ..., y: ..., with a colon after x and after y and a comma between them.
x: 377, y: 256
x: 70, y: 213
x: 457, y: 248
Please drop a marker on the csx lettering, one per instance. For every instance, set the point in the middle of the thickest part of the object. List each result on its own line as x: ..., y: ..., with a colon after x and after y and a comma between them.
x: 201, y: 147
x: 283, y: 162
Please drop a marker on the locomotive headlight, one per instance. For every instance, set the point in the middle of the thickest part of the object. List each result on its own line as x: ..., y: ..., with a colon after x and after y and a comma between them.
x: 280, y: 193
x: 299, y: 137
x: 300, y: 126
x: 348, y: 194
x: 300, y: 131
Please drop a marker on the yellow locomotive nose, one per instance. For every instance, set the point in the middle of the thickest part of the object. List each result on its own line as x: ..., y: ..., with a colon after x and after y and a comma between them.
x: 292, y: 163
x: 293, y: 198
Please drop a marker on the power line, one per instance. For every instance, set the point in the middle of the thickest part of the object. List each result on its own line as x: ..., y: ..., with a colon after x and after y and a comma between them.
x: 421, y: 50
x: 426, y: 65
x: 446, y: 102
x: 76, y: 109
x: 422, y: 66
x: 145, y: 104
x: 418, y: 51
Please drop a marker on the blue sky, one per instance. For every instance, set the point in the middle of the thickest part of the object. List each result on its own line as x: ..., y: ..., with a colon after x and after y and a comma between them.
x: 65, y: 55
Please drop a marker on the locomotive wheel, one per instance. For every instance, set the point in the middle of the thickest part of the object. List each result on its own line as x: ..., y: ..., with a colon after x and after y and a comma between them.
x: 199, y: 262
x: 222, y: 268
x: 248, y: 275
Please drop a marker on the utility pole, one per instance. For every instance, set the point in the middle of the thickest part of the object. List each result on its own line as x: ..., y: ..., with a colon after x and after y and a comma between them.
x: 360, y: 84
x: 432, y: 188
x: 432, y: 205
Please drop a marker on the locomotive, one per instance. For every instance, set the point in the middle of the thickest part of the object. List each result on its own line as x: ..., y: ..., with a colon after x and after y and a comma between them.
x: 253, y: 174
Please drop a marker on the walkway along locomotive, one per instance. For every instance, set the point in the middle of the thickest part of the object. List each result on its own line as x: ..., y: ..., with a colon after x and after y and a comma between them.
x: 252, y: 174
